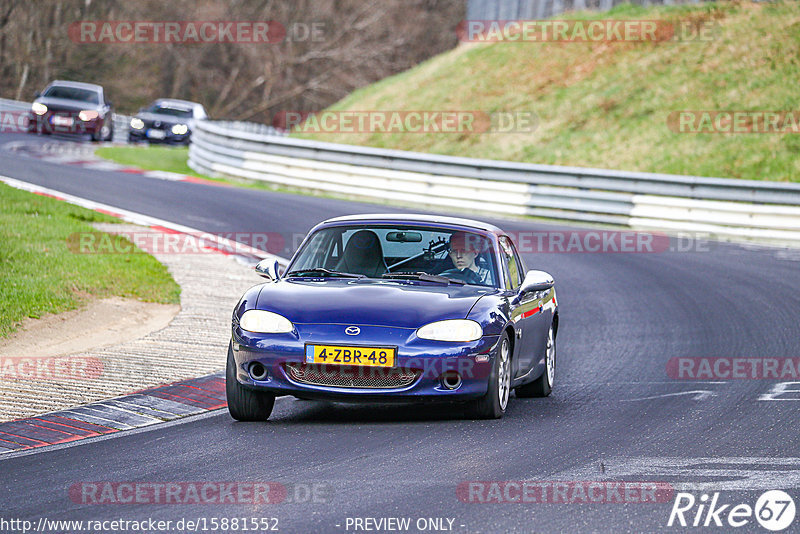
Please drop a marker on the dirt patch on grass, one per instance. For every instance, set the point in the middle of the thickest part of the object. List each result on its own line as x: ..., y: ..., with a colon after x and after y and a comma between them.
x: 99, y: 323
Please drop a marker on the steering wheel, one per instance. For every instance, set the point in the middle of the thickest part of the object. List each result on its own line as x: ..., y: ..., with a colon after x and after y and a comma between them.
x: 467, y: 275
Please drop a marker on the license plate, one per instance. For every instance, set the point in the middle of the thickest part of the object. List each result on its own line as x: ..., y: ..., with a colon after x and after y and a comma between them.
x: 347, y: 355
x: 155, y: 134
x: 62, y: 121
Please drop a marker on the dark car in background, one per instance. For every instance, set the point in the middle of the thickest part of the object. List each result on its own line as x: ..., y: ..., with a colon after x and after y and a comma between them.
x: 166, y: 121
x: 66, y: 107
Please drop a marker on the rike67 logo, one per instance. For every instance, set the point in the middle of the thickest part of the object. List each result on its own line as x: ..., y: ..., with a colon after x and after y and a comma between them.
x: 774, y: 510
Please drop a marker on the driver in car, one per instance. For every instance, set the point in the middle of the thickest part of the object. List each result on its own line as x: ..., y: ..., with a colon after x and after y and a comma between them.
x: 463, y: 249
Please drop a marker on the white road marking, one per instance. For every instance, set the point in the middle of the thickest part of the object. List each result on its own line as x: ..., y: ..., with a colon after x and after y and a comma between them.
x: 726, y: 473
x: 779, y: 390
x: 699, y: 394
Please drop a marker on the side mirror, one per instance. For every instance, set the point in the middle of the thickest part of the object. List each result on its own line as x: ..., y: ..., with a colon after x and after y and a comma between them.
x: 537, y: 281
x: 268, y: 269
x: 109, y: 103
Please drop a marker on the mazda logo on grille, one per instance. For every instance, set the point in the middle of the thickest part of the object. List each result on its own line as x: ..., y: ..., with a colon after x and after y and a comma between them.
x: 352, y: 330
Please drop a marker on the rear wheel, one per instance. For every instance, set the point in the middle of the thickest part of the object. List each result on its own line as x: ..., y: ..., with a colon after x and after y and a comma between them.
x: 493, y: 404
x: 245, y: 404
x: 542, y: 386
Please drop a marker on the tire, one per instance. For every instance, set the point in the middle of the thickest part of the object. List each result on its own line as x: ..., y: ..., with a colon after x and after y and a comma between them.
x: 542, y: 386
x: 105, y: 133
x: 245, y: 404
x: 493, y: 404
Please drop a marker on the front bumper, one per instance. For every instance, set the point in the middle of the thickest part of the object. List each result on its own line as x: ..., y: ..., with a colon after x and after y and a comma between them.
x: 430, y: 359
x: 149, y: 135
x: 47, y: 123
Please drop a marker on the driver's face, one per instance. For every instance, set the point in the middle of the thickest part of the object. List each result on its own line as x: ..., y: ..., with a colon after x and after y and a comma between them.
x: 463, y: 259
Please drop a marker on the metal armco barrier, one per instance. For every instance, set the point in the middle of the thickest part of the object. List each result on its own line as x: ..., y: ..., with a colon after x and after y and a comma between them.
x: 727, y: 208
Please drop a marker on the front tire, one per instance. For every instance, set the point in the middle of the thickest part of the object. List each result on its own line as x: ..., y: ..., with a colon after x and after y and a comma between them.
x: 245, y: 404
x: 104, y: 133
x: 543, y: 386
x: 493, y: 404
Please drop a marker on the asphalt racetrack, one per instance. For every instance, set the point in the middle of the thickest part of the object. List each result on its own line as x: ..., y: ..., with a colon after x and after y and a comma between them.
x: 616, y: 413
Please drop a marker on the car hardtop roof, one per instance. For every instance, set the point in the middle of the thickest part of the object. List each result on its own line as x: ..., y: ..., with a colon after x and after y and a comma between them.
x: 404, y: 218
x: 77, y: 85
x: 184, y: 103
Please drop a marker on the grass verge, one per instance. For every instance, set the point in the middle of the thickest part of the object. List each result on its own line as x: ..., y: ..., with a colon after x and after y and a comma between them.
x: 39, y: 273
x: 152, y: 158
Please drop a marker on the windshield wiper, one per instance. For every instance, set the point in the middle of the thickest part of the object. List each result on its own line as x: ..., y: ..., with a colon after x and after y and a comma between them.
x: 425, y: 277
x: 323, y: 271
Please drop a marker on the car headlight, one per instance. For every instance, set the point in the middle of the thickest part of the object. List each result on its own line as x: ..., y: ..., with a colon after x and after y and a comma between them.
x: 39, y: 109
x: 451, y: 330
x: 88, y: 114
x: 180, y: 129
x: 137, y: 123
x: 265, y: 322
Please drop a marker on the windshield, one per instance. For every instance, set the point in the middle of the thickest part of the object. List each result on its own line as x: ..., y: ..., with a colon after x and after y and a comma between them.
x: 379, y: 251
x: 73, y: 93
x: 163, y: 109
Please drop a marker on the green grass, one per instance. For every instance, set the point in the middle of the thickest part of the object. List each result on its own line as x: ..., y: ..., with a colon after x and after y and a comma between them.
x: 153, y: 158
x: 606, y: 104
x: 158, y: 158
x: 40, y: 274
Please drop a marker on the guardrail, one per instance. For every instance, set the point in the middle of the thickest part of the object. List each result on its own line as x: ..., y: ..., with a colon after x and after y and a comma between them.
x: 723, y: 207
x: 120, y: 121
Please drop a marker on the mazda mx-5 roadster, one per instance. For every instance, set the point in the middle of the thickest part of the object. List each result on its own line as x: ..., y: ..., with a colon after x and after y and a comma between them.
x: 382, y: 308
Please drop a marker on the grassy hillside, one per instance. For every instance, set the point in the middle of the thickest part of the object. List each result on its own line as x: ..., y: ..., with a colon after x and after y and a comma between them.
x: 606, y: 104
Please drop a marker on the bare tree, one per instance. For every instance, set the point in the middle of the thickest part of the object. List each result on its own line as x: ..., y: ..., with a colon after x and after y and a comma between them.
x: 331, y: 48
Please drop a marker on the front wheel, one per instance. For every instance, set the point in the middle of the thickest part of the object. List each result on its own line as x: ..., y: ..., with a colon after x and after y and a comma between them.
x: 543, y: 386
x: 245, y: 404
x: 493, y: 404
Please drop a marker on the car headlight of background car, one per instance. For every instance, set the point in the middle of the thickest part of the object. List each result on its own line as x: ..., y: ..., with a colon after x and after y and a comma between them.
x: 462, y: 330
x: 39, y: 109
x: 88, y: 114
x: 137, y: 123
x: 180, y: 129
x: 265, y: 322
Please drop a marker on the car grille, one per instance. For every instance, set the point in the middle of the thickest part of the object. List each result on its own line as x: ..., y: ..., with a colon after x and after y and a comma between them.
x: 347, y: 376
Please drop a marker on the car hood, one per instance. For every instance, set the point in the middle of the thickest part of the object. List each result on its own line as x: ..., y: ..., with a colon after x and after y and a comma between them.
x: 369, y: 302
x: 71, y: 105
x: 165, y: 119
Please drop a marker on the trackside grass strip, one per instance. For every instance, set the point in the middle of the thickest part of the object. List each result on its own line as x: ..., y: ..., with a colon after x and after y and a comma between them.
x: 39, y: 273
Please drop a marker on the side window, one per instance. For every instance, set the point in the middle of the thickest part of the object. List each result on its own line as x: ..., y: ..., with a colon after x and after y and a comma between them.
x: 511, y: 263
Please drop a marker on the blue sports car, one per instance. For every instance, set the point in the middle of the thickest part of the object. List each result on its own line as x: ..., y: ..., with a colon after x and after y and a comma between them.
x: 380, y: 308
